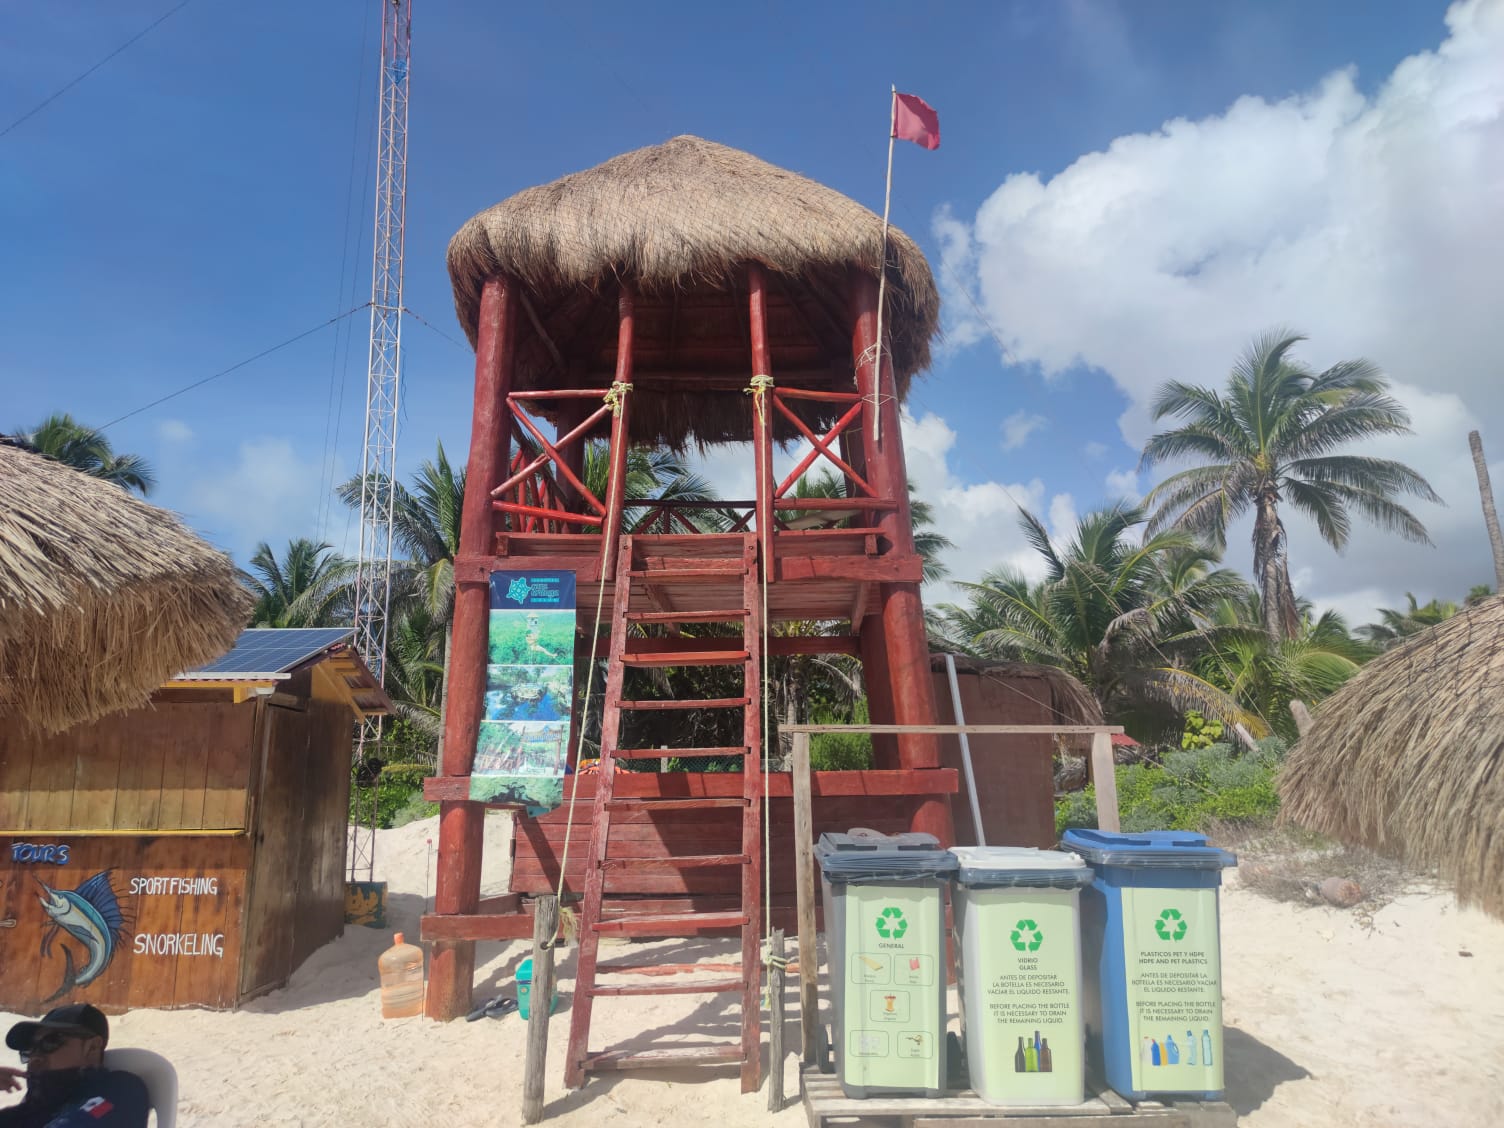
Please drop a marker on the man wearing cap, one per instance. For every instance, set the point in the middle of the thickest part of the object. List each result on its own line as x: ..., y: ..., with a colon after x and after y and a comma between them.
x: 66, y: 1082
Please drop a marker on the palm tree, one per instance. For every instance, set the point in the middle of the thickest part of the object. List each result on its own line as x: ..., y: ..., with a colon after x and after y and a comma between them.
x: 1396, y: 626
x: 1128, y: 620
x: 308, y: 587
x: 63, y: 438
x: 1269, y: 439
x: 928, y: 543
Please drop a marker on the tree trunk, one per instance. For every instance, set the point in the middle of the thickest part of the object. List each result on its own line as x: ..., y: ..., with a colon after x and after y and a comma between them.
x: 1490, y: 514
x: 1271, y: 566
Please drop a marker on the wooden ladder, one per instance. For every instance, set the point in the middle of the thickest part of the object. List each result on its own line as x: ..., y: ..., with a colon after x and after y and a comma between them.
x: 580, y: 1059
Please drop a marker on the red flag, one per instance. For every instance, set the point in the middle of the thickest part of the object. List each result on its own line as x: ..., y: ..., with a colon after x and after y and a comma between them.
x: 914, y: 120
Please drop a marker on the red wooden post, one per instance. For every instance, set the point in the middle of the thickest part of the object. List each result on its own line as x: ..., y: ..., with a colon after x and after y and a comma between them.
x: 903, y: 633
x: 762, y: 410
x: 616, y: 487
x: 461, y: 822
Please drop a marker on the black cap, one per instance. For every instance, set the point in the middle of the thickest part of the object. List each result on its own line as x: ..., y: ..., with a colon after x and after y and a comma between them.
x: 76, y: 1018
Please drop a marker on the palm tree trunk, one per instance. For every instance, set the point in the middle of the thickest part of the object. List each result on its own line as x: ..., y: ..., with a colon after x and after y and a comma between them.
x: 1276, y: 595
x: 1490, y: 513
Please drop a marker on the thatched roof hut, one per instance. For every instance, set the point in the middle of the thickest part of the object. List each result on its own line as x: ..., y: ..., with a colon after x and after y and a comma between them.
x: 676, y: 221
x: 102, y: 596
x: 1408, y: 756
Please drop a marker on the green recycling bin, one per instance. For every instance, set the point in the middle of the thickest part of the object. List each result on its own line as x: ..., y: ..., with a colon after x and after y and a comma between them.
x: 884, y: 900
x: 1018, y: 939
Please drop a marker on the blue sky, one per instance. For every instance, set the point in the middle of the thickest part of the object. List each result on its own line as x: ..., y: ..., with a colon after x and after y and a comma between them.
x: 206, y: 194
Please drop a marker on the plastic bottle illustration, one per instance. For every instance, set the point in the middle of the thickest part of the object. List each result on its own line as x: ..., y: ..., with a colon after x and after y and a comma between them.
x: 1206, y: 1047
x: 1172, y: 1051
x: 1031, y: 1057
x: 1148, y: 1051
x: 1156, y: 1055
x: 1046, y: 1062
x: 1019, y: 1064
x: 1190, y: 1048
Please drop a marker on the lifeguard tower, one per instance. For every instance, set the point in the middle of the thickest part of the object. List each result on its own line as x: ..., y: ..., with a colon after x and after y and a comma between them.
x: 680, y: 295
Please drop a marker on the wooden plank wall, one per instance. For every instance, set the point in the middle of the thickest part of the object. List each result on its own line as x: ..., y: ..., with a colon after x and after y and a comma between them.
x: 182, y: 765
x: 297, y: 894
x: 182, y: 898
x: 538, y: 843
x: 1015, y: 774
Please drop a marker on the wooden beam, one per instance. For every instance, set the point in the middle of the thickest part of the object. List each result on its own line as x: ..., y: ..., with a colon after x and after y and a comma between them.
x: 1017, y: 730
x: 804, y: 877
x: 720, y: 785
x: 1104, y: 775
x: 775, y: 1020
x: 545, y: 925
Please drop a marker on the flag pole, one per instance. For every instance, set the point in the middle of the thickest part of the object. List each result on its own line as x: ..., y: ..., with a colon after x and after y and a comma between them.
x: 882, y: 270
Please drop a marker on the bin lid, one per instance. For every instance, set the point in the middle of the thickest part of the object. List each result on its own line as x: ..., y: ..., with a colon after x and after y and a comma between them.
x: 1020, y: 866
x: 862, y: 856
x: 1158, y: 849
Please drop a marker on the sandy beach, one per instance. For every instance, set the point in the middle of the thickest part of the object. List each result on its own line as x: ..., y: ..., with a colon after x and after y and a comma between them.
x: 1331, y: 1024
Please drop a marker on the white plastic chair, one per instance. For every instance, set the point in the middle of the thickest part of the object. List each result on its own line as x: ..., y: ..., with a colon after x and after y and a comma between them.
x: 157, y: 1072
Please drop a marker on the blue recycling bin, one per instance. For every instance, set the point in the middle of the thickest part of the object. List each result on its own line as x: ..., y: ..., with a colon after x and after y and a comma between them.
x: 1152, y: 958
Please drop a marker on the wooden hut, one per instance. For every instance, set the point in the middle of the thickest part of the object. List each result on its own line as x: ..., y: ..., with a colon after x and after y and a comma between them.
x: 190, y: 852
x: 102, y: 596
x: 683, y: 295
x: 1407, y: 758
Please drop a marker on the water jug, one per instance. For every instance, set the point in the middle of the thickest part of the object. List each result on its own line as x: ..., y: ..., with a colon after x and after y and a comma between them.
x: 525, y: 990
x: 401, y: 968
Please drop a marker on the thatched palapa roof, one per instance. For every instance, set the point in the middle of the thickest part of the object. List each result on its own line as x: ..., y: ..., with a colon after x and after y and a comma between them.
x: 1408, y: 756
x: 679, y: 221
x: 102, y: 596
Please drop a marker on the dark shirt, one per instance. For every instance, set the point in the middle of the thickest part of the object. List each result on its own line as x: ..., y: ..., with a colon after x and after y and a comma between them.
x: 73, y: 1098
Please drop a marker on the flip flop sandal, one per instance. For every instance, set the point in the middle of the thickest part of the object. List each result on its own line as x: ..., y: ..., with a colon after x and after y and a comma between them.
x: 500, y: 1008
x: 485, y: 1009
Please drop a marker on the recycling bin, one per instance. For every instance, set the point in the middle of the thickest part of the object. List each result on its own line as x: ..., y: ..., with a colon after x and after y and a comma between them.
x: 884, y: 900
x: 1018, y: 935
x: 1151, y: 942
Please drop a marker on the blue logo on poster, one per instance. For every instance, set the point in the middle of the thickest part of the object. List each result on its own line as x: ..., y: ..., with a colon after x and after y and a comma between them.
x: 518, y: 589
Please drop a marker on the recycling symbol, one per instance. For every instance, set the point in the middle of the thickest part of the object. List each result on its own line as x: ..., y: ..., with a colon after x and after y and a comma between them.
x: 1170, y: 925
x: 891, y: 923
x: 1026, y: 936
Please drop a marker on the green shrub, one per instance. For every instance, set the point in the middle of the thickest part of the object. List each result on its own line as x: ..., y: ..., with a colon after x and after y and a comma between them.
x: 840, y: 752
x: 1187, y: 791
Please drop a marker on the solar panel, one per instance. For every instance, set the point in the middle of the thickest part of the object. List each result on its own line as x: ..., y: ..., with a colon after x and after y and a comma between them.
x: 270, y: 650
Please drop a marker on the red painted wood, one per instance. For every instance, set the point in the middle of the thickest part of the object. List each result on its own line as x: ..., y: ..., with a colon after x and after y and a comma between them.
x: 654, y: 785
x: 665, y: 753
x: 670, y: 1058
x: 457, y: 888
x: 616, y: 484
x: 703, y: 703
x: 702, y: 987
x: 545, y: 513
x: 686, y: 658
x: 903, y: 627
x: 667, y: 925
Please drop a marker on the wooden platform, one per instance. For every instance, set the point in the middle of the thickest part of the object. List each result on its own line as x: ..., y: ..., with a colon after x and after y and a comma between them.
x: 827, y: 1106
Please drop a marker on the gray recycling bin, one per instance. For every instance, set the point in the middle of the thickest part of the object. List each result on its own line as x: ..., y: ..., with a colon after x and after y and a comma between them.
x: 884, y: 901
x: 1018, y: 943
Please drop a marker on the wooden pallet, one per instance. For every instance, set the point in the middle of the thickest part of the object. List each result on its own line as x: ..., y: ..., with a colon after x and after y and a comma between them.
x: 827, y: 1106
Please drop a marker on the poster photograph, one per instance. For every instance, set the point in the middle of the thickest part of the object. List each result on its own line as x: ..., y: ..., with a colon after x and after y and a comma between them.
x: 523, y: 743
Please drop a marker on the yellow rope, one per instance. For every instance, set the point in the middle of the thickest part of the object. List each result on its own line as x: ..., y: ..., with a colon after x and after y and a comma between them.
x: 616, y: 397
x: 758, y: 390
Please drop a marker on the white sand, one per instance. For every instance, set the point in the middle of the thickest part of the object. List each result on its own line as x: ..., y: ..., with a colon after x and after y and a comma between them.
x: 1330, y: 1026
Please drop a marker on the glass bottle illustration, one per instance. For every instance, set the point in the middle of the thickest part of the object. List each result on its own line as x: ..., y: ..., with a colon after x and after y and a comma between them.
x: 1031, y: 1057
x: 1156, y: 1056
x: 1172, y: 1051
x: 1190, y: 1048
x: 1206, y: 1047
x: 1046, y: 1062
x: 1019, y: 1064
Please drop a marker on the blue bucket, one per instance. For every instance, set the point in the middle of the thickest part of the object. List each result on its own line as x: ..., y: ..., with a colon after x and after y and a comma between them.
x: 525, y: 989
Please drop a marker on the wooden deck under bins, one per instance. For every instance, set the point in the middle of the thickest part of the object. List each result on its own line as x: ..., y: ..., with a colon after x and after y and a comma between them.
x: 827, y: 1106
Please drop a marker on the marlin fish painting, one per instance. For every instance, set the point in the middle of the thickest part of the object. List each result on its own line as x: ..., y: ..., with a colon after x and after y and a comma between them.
x: 91, y: 915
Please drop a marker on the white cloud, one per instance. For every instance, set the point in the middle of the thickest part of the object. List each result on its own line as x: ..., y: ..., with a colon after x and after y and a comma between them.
x: 267, y: 493
x: 174, y: 431
x: 1370, y: 223
x: 1123, y: 485
x: 1094, y: 449
x: 1019, y: 426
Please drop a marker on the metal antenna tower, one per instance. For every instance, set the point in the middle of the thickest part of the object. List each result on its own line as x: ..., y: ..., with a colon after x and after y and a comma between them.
x: 373, y: 578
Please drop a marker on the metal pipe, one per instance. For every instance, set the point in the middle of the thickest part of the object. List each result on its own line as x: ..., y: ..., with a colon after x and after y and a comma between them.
x: 971, y: 780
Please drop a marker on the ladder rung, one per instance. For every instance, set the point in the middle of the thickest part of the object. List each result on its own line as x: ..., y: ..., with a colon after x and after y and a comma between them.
x: 687, y: 616
x: 687, y: 658
x: 690, y: 804
x: 665, y: 753
x: 706, y: 571
x: 683, y: 861
x: 686, y: 703
x: 668, y: 1057
x: 703, y: 987
x: 670, y: 924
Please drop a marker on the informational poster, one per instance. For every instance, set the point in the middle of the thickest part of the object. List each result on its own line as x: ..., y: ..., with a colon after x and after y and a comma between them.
x: 1025, y: 1001
x: 522, y: 748
x: 892, y: 1014
x: 1173, y: 966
